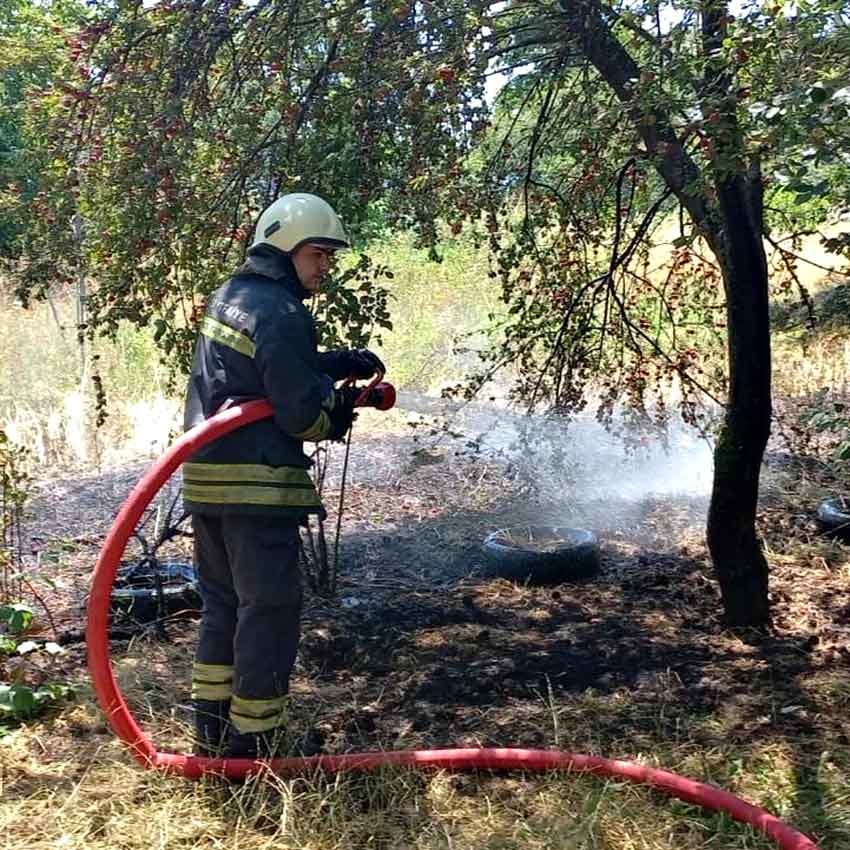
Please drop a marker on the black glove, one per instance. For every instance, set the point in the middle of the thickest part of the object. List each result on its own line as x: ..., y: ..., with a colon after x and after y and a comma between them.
x: 362, y: 363
x: 343, y: 413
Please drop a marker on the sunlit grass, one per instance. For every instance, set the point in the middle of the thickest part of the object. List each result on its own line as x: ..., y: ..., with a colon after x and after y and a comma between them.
x: 69, y: 785
x: 438, y: 311
x: 47, y: 397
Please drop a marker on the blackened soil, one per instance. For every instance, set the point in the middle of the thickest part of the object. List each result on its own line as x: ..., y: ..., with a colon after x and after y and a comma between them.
x: 420, y: 649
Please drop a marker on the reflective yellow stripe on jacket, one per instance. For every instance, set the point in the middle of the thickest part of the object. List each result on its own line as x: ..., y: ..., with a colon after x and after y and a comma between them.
x: 249, y: 484
x: 319, y: 430
x: 213, y: 329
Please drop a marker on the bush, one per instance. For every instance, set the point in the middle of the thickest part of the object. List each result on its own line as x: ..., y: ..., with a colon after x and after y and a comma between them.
x: 23, y: 699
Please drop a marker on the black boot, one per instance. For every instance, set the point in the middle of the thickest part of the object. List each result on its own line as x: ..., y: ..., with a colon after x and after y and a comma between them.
x: 256, y: 745
x: 212, y: 725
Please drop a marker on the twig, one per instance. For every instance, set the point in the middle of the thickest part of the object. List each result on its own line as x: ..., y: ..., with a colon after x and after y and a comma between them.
x: 335, y: 572
x: 805, y: 295
x: 28, y: 584
x: 312, y: 565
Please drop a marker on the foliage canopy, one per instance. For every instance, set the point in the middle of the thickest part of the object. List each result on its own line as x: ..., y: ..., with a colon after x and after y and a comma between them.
x: 171, y: 125
x: 181, y: 121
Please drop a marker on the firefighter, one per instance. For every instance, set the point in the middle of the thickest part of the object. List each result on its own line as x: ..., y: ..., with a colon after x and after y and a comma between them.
x: 249, y: 490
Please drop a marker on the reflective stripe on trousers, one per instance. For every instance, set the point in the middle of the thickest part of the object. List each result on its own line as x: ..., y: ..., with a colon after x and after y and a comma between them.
x: 212, y: 681
x: 250, y: 583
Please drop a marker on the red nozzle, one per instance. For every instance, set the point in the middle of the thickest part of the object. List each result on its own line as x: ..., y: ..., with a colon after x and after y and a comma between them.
x: 381, y: 396
x: 378, y: 394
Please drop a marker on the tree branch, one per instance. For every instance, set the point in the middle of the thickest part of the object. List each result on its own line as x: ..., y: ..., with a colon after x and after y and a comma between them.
x: 621, y: 72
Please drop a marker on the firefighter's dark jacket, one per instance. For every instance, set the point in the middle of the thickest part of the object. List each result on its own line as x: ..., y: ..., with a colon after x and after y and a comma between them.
x: 258, y: 340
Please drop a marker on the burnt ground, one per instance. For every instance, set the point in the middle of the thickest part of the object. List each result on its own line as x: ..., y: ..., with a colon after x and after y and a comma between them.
x: 421, y: 649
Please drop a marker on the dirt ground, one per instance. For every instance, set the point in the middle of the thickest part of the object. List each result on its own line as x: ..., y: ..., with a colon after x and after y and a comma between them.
x: 421, y: 648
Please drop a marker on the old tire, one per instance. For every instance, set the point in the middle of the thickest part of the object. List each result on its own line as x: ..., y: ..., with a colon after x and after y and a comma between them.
x: 535, y: 554
x: 834, y: 516
x: 136, y: 592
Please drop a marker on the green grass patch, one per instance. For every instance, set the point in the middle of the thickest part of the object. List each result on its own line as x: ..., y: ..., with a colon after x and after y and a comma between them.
x: 438, y: 311
x: 98, y: 799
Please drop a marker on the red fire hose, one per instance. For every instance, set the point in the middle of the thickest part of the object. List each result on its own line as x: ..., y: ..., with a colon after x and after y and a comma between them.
x: 125, y: 727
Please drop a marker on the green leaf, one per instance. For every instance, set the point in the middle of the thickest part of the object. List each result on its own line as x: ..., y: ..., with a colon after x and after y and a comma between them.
x: 21, y: 700
x: 55, y: 691
x: 17, y: 617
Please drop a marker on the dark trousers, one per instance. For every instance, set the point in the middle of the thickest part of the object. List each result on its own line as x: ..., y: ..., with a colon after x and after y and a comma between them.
x: 250, y: 584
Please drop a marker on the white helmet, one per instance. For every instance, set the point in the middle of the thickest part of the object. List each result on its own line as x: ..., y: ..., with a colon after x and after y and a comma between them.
x: 298, y: 218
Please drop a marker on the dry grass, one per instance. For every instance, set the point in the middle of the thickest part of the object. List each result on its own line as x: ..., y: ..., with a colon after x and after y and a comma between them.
x: 67, y: 784
x: 47, y: 401
x: 805, y: 364
x: 104, y: 802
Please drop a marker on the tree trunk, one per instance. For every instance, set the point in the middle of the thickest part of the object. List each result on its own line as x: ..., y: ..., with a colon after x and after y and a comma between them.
x: 733, y: 229
x: 735, y: 548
